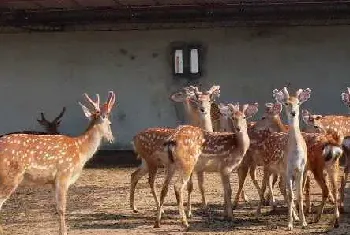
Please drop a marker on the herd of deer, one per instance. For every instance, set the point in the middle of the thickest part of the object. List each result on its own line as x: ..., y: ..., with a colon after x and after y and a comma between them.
x: 219, y: 139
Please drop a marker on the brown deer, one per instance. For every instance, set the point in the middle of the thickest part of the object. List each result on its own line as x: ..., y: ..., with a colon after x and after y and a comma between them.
x: 53, y: 159
x: 198, y: 108
x: 51, y: 127
x: 258, y: 132
x: 212, y: 161
x: 192, y: 149
x: 320, y: 123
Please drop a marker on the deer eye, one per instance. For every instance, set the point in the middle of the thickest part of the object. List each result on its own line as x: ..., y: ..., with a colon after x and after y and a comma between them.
x: 263, y: 118
x: 286, y: 104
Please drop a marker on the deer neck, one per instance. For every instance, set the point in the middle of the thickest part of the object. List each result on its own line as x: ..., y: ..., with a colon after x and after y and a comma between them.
x: 206, y: 123
x: 89, y: 142
x: 243, y: 141
x: 280, y: 126
x: 294, y: 129
x: 191, y: 113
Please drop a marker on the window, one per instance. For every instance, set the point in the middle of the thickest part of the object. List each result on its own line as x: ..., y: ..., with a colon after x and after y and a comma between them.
x: 187, y: 60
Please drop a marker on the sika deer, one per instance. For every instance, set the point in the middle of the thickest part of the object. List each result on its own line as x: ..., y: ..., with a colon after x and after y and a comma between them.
x: 198, y: 108
x: 51, y: 127
x: 190, y: 149
x: 53, y: 159
x: 295, y: 151
x: 214, y: 159
x: 258, y: 132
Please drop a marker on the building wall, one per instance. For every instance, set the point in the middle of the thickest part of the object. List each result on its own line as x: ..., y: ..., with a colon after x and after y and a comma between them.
x: 44, y: 72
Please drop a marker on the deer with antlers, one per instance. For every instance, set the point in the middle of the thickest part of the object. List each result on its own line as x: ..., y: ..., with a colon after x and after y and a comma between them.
x: 295, y: 151
x: 53, y: 159
x: 197, y: 106
x: 51, y: 126
x: 209, y: 151
x: 341, y: 123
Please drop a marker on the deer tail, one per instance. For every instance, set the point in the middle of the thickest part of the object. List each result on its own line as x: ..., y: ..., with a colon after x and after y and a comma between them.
x: 169, y: 147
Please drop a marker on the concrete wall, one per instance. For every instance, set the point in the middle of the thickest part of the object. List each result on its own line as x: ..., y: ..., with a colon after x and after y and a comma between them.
x: 43, y: 72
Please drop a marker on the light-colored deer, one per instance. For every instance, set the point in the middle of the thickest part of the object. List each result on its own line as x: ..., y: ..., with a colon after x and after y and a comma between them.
x: 53, y: 159
x: 219, y: 152
x: 296, y: 150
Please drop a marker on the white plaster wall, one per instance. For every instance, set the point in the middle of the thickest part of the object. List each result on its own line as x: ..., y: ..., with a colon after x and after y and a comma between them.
x: 44, y: 72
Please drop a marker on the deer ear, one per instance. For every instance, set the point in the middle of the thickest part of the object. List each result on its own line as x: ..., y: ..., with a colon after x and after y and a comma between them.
x: 178, y: 97
x: 214, y: 92
x: 86, y: 111
x: 223, y: 108
x: 279, y: 96
x: 277, y: 108
x: 305, y: 116
x: 304, y: 95
x: 251, y: 110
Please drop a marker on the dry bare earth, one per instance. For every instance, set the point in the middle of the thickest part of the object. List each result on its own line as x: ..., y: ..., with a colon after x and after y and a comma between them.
x: 99, y: 204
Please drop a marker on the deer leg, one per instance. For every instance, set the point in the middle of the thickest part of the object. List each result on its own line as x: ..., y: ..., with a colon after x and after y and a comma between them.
x: 135, y: 177
x: 200, y: 176
x: 242, y: 172
x: 300, y: 195
x: 307, y: 194
x: 319, y: 177
x: 263, y: 187
x: 333, y: 176
x: 61, y: 201
x: 272, y: 201
x: 344, y: 178
x: 189, y: 191
x: 252, y: 173
x: 262, y: 191
x: 225, y: 179
x: 289, y: 189
x: 151, y: 179
x: 8, y: 186
x: 164, y: 192
x: 179, y: 188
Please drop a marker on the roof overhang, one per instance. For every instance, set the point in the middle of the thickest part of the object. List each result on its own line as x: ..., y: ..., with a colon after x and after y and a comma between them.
x: 58, y: 15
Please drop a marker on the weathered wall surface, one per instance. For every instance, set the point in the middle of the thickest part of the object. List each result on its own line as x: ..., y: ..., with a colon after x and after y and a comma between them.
x: 43, y: 72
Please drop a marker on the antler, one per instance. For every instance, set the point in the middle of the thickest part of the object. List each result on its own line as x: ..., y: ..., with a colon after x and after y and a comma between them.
x: 96, y: 104
x: 60, y: 115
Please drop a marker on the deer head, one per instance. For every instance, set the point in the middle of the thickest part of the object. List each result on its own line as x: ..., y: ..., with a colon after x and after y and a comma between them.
x: 239, y: 118
x: 345, y: 97
x: 203, y: 100
x: 292, y: 103
x: 271, y: 118
x: 51, y: 127
x: 224, y: 117
x: 313, y: 122
x: 99, y: 115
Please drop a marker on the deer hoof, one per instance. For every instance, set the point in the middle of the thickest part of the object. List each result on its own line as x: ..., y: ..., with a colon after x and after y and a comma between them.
x: 304, y: 225
x: 135, y: 211
x: 336, y: 223
x: 290, y: 227
x: 189, y: 214
x: 156, y: 225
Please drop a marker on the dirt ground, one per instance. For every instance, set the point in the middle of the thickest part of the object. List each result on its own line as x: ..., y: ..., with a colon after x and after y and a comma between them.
x: 99, y: 204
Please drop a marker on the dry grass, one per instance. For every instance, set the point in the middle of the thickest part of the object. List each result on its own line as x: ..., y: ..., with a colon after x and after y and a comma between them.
x: 99, y: 204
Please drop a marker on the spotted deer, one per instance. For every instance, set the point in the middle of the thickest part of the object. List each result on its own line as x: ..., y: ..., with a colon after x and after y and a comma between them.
x: 322, y: 123
x: 214, y: 159
x: 258, y: 132
x: 53, y: 159
x: 198, y: 108
x: 323, y: 154
x: 213, y: 151
x: 51, y: 126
